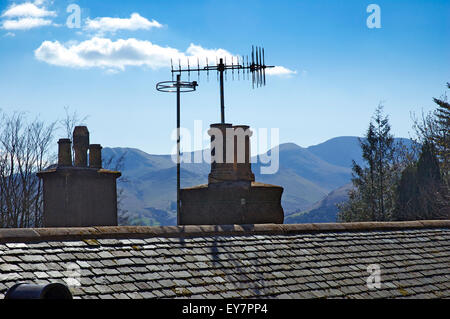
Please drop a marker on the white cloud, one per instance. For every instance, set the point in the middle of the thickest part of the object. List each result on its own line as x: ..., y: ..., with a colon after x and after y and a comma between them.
x: 280, y: 70
x: 211, y: 54
x: 26, y: 16
x: 117, y: 55
x: 27, y: 9
x: 107, y: 24
x: 25, y: 23
x: 105, y: 53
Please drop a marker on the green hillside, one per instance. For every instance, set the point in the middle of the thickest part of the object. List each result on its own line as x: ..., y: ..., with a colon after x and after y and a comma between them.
x: 308, y: 175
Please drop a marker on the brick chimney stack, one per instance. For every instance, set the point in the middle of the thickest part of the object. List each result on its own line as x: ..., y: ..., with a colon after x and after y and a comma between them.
x: 79, y: 195
x: 231, y: 196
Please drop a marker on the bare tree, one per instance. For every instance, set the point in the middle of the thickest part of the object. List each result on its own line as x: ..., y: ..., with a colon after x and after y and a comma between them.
x: 71, y: 120
x: 68, y: 123
x: 25, y: 149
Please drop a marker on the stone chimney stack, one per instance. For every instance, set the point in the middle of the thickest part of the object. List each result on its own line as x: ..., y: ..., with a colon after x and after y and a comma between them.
x: 231, y: 196
x: 79, y: 195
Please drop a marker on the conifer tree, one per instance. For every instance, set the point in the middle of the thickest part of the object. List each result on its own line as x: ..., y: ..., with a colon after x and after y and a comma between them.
x: 434, y: 128
x: 373, y: 195
x: 441, y: 138
x: 421, y: 192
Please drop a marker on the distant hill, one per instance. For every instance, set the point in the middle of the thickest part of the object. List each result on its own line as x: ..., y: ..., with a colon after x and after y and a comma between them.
x: 324, y: 211
x: 339, y: 151
x: 308, y: 175
x: 342, y: 150
x: 305, y: 177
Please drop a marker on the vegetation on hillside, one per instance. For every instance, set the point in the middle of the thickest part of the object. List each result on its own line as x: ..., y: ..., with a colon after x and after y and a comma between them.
x: 400, y: 184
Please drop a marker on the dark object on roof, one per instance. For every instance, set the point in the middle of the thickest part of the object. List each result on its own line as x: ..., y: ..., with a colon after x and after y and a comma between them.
x: 33, y: 291
x: 234, y: 261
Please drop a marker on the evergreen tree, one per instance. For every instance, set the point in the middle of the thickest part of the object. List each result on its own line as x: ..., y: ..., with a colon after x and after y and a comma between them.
x: 394, y: 185
x: 441, y: 138
x: 407, y: 194
x: 421, y: 192
x: 373, y: 196
x: 432, y: 191
x: 434, y: 128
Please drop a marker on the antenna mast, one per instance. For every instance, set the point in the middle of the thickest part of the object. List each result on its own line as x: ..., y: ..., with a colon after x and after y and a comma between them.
x: 177, y: 87
x: 257, y: 68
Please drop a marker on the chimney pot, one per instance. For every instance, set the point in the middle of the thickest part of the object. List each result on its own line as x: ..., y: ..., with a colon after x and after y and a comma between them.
x: 81, y: 145
x: 221, y: 169
x: 242, y: 154
x: 64, y: 152
x: 95, y: 156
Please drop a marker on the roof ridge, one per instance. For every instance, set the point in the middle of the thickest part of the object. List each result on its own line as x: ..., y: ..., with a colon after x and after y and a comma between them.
x: 103, y: 232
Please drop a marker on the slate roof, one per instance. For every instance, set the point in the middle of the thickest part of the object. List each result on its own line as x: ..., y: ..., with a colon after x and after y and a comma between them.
x: 247, y: 261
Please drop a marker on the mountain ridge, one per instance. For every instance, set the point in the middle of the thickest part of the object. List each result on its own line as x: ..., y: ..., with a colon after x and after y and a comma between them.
x: 307, y: 175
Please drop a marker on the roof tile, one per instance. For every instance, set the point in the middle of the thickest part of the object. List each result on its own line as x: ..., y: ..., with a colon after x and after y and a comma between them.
x: 413, y: 262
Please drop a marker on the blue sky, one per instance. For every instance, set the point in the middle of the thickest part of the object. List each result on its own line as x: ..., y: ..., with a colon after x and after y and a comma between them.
x: 333, y: 70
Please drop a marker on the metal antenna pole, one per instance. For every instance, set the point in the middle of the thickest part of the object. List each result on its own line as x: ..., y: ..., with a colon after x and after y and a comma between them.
x: 177, y: 87
x: 178, y: 148
x: 221, y: 69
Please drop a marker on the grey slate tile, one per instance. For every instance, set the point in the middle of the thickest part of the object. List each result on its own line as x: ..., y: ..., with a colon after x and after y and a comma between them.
x: 332, y: 265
